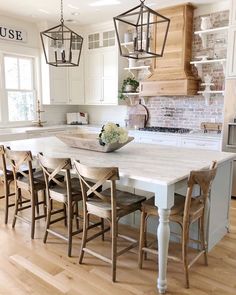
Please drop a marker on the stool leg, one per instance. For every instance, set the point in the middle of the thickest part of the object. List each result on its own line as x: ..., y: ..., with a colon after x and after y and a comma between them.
x: 6, y: 193
x: 17, y: 192
x: 48, y: 219
x: 114, y: 249
x: 84, y: 236
x: 44, y: 203
x: 65, y: 214
x: 141, y: 239
x: 185, y: 240
x: 70, y: 225
x: 77, y: 214
x: 202, y: 238
x: 34, y: 202
x: 102, y: 228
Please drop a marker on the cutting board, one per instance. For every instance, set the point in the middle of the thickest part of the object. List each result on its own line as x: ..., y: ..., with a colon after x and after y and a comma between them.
x: 138, y: 116
x: 137, y: 121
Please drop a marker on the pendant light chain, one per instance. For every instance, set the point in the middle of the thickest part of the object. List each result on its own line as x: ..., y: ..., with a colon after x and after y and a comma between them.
x: 62, y: 20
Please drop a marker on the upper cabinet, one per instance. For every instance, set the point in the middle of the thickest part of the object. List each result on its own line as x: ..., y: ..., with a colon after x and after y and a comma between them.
x: 101, y: 68
x: 63, y: 85
x: 233, y: 13
x: 231, y: 54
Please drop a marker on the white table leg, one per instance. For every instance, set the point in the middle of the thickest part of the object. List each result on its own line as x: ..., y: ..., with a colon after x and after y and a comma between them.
x: 163, y: 234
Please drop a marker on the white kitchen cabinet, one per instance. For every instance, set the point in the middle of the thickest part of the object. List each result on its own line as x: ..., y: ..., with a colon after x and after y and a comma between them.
x: 231, y: 55
x: 76, y: 84
x: 93, y: 78
x: 162, y: 139
x: 206, y: 144
x: 63, y: 85
x: 101, y: 77
x: 110, y: 77
x: 233, y: 12
x: 58, y: 85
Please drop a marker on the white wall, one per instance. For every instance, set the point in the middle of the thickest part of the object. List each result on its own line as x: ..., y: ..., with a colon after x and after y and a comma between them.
x: 103, y: 114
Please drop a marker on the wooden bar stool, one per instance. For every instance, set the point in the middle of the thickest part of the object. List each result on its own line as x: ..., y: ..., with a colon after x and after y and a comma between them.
x: 186, y: 210
x: 29, y: 181
x: 6, y: 178
x: 109, y: 204
x: 66, y: 191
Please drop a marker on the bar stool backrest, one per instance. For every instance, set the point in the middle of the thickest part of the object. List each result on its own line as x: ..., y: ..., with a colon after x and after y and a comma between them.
x: 100, y: 175
x: 204, y: 179
x: 52, y: 167
x: 21, y: 162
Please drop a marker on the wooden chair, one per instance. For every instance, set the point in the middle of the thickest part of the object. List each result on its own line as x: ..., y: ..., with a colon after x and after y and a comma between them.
x: 6, y: 178
x: 30, y: 181
x: 66, y: 190
x: 186, y: 210
x: 109, y: 204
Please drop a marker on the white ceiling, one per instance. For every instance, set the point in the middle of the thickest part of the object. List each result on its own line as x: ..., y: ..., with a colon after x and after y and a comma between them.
x: 79, y: 11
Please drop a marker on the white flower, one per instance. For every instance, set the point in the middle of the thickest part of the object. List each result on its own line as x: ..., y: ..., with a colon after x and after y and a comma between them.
x: 123, y: 135
x: 112, y: 133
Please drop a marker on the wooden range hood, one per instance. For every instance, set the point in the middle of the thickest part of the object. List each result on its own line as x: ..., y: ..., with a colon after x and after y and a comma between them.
x: 172, y: 73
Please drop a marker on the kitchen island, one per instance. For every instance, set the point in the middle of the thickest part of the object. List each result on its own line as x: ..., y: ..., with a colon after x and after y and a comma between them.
x: 160, y: 169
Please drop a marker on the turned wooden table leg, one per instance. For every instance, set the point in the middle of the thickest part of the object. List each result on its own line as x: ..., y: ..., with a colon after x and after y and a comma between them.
x: 163, y: 233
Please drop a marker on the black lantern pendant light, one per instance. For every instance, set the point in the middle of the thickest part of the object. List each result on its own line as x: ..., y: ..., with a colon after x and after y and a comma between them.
x: 141, y: 32
x: 62, y: 47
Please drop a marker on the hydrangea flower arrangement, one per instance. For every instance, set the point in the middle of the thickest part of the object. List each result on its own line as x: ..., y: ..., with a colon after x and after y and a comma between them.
x: 112, y: 133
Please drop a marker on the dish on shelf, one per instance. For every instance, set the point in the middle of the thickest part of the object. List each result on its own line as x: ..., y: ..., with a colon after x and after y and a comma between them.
x: 202, y: 57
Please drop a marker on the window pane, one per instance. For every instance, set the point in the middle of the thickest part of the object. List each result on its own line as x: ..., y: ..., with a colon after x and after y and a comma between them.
x: 11, y: 72
x: 20, y: 106
x: 25, y: 66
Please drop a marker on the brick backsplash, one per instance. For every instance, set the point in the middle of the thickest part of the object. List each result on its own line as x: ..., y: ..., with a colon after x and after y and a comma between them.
x: 189, y: 112
x: 185, y: 112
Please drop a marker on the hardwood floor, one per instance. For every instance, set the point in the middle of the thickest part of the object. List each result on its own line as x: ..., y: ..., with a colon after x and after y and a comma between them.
x: 30, y: 267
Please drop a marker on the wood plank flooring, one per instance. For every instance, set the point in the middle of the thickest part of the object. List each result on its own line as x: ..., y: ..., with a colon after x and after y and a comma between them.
x: 31, y: 267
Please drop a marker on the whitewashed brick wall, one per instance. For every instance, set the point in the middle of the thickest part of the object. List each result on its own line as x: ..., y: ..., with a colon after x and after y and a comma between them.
x: 189, y: 112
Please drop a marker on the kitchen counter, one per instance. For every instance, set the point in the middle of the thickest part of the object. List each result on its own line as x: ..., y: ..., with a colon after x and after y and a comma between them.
x: 196, y: 139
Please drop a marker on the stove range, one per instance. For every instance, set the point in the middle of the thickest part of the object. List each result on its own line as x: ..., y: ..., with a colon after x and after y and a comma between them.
x: 166, y: 129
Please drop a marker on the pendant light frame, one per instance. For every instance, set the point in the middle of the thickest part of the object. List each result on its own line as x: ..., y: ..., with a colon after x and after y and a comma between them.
x: 141, y: 44
x: 66, y: 44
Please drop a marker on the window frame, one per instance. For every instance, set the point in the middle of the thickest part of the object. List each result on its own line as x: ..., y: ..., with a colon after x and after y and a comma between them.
x: 4, y: 110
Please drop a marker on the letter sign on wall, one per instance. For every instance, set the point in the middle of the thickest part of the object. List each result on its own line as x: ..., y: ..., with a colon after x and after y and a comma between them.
x: 12, y: 34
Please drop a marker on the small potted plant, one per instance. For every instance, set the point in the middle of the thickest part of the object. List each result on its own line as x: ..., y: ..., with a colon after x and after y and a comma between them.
x: 129, y: 85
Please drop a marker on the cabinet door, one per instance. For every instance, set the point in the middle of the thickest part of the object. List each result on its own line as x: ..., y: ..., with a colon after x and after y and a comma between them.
x: 231, y: 56
x: 110, y: 77
x: 59, y: 85
x: 203, y: 144
x: 233, y: 12
x: 93, y: 78
x: 76, y: 84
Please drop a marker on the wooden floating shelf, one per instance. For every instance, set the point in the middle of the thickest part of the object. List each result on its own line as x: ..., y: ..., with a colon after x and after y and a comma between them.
x: 211, y: 92
x: 131, y: 43
x: 212, y: 31
x: 137, y: 68
x: 130, y: 93
x: 208, y: 61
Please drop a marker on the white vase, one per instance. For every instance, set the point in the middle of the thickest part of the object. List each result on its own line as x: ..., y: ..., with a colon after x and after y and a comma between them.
x: 206, y: 23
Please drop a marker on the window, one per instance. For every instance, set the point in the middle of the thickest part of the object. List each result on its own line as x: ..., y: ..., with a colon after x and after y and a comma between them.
x: 93, y: 41
x: 108, y: 38
x: 19, y: 88
x: 104, y: 39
